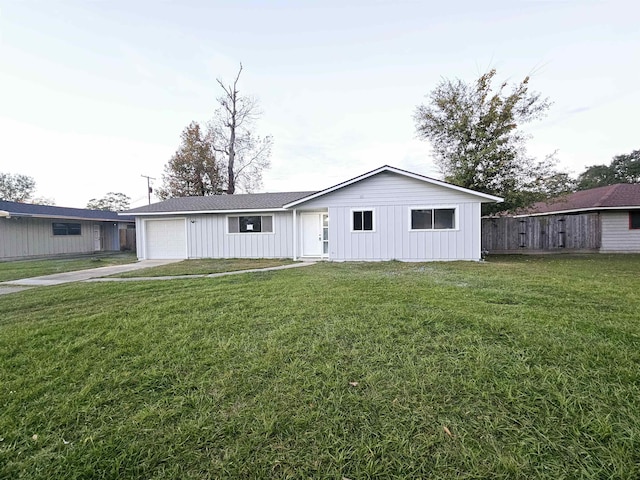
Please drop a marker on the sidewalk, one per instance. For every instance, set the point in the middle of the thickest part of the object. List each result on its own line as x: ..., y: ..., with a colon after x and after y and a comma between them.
x: 96, y: 274
x: 210, y: 275
x: 82, y: 275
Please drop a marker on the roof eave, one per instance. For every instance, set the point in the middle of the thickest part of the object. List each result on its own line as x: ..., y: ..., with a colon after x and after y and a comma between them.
x: 70, y: 217
x: 201, y: 212
x: 577, y: 210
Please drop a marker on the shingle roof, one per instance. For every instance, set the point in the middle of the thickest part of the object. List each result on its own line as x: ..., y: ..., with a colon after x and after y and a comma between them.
x: 17, y: 209
x: 612, y: 196
x: 213, y: 203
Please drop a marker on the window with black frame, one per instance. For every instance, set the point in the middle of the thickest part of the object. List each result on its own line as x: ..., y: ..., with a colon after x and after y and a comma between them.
x: 363, y: 220
x: 433, y: 218
x: 251, y: 224
x: 65, y: 228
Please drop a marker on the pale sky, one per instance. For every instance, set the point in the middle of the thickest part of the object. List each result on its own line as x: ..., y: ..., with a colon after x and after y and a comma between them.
x: 93, y: 94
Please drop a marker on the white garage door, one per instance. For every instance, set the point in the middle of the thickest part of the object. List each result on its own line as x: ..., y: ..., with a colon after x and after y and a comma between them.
x: 165, y: 239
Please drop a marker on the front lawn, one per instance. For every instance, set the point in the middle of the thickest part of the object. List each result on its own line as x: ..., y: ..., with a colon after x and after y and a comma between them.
x: 206, y: 266
x: 17, y: 269
x: 520, y: 367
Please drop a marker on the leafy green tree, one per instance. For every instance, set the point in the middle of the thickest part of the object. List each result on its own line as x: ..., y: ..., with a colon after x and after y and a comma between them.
x: 555, y: 184
x: 477, y: 143
x: 622, y: 169
x: 596, y: 176
x: 626, y: 168
x: 16, y: 187
x: 194, y: 169
x: 42, y: 201
x: 112, y: 201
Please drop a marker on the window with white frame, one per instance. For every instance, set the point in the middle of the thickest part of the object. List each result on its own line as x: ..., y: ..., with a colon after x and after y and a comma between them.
x: 634, y: 220
x: 362, y: 220
x: 251, y: 224
x: 433, y: 218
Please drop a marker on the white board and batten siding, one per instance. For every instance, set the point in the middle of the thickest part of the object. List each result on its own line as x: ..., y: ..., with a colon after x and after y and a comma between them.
x: 617, y: 237
x: 208, y: 237
x: 391, y: 197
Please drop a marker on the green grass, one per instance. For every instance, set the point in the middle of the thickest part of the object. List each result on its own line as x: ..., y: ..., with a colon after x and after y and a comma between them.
x: 206, y: 266
x: 17, y: 269
x: 329, y: 371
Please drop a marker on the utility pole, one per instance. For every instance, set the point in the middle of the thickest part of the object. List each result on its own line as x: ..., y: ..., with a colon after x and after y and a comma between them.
x: 149, y: 189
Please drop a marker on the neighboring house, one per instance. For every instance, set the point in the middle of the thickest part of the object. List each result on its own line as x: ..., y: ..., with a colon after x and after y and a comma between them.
x: 618, y: 209
x: 384, y: 214
x: 28, y: 230
x: 604, y: 219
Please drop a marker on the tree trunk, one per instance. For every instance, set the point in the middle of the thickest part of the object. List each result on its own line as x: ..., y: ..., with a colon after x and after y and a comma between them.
x: 231, y: 187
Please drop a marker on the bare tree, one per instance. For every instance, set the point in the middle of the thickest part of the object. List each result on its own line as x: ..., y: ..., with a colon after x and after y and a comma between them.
x: 246, y: 154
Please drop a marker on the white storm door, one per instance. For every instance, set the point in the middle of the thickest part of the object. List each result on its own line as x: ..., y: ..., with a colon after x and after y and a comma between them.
x: 311, y: 224
x: 165, y: 239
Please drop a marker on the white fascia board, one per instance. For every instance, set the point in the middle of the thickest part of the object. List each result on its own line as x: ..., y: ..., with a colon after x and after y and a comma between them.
x: 200, y: 212
x: 387, y: 168
x: 577, y: 210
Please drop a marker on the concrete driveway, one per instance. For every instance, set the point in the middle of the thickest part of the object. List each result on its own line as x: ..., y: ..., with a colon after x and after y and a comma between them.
x: 78, y: 276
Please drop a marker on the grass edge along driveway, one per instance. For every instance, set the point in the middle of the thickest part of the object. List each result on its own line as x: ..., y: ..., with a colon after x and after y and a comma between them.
x: 515, y: 368
x: 206, y: 266
x: 18, y: 269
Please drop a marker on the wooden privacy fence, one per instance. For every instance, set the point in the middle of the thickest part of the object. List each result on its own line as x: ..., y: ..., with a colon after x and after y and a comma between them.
x: 549, y: 233
x: 127, y: 239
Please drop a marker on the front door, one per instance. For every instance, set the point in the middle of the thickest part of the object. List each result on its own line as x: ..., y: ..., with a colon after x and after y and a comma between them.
x: 315, y: 234
x: 97, y: 240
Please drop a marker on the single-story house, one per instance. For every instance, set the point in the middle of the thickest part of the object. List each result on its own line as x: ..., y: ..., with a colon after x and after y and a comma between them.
x: 384, y: 214
x: 607, y: 217
x: 28, y: 230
